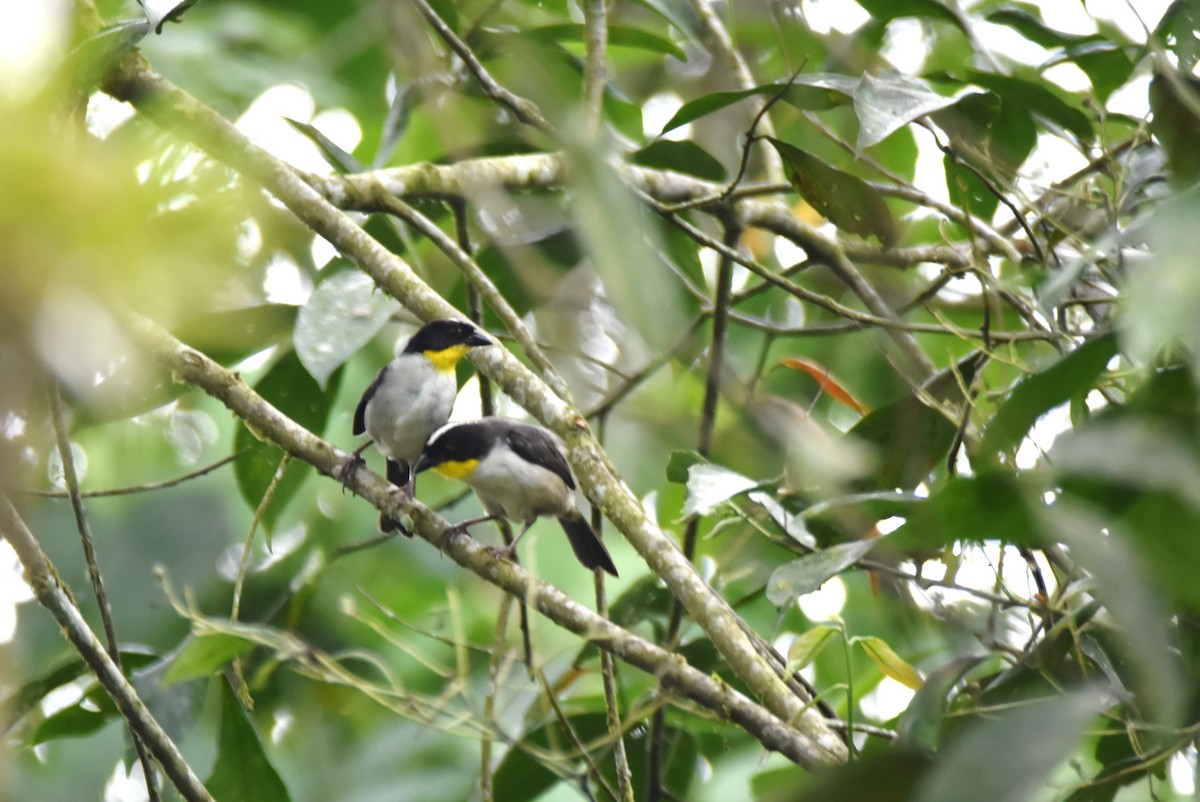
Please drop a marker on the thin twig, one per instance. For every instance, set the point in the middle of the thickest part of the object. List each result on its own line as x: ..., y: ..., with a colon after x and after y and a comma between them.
x: 71, y: 479
x: 525, y: 110
x: 612, y: 710
x: 577, y: 744
x: 146, y: 488
x: 708, y: 417
x: 717, y: 37
x: 259, y: 512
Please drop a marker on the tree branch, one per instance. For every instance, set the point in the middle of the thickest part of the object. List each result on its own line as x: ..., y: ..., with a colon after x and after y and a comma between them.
x: 595, y: 70
x: 716, y: 36
x: 524, y: 109
x: 132, y: 80
x: 52, y: 594
x: 798, y: 742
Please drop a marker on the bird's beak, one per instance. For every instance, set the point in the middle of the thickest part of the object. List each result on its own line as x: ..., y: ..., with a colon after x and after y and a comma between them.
x: 479, y: 338
x: 422, y: 464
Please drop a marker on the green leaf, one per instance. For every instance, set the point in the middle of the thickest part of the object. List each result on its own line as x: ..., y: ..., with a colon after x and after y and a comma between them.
x: 683, y: 157
x: 991, y: 506
x: 884, y: 104
x: 90, y: 59
x: 1131, y: 451
x: 230, y: 336
x: 1036, y: 98
x: 77, y: 720
x: 1177, y: 31
x: 805, y: 648
x: 1072, y: 376
x: 815, y: 92
x: 622, y: 113
x: 845, y: 200
x: 921, y: 723
x: 1173, y: 100
x: 290, y: 388
x: 709, y: 486
x: 205, y: 655
x: 1130, y: 594
x: 1031, y: 26
x: 522, y: 776
x: 890, y: 663
x: 886, y: 10
x: 995, y: 134
x: 790, y: 522
x: 646, y: 599
x: 967, y: 190
x: 680, y: 462
x: 677, y: 16
x: 174, y: 706
x: 242, y: 772
x: 343, y: 313
x: 1164, y: 530
x: 339, y: 159
x: 792, y: 580
x: 853, y: 517
x: 1010, y: 756
x: 618, y: 35
x: 1105, y: 64
x: 31, y: 693
x: 1161, y: 299
x: 778, y: 784
x: 910, y: 438
x: 891, y: 775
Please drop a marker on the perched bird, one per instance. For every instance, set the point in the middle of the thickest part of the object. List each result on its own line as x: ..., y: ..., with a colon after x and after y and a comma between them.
x: 410, y: 398
x: 519, y: 472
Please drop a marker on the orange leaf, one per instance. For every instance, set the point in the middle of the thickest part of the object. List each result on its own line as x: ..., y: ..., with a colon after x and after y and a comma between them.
x: 826, y: 382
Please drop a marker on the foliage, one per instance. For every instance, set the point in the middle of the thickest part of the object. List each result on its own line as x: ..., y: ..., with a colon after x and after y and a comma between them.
x: 912, y: 322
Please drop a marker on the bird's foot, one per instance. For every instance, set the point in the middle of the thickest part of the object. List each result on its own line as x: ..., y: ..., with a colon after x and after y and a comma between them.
x: 352, y: 463
x: 450, y: 533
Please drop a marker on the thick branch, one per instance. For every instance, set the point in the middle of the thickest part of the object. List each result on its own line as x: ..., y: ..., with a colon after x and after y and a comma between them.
x: 541, y: 171
x: 132, y: 80
x: 224, y: 385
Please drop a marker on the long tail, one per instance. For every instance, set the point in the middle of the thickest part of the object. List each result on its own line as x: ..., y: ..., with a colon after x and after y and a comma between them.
x: 587, y: 547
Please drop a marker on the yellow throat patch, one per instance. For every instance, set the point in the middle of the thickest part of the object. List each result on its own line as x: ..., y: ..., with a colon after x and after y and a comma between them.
x: 457, y: 469
x: 445, y: 359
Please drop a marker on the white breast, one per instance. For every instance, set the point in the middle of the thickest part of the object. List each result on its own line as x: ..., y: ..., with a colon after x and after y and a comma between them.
x: 520, y: 491
x: 408, y: 406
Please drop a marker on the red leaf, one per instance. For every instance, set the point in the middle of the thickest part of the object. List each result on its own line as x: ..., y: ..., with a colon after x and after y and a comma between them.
x: 827, y: 382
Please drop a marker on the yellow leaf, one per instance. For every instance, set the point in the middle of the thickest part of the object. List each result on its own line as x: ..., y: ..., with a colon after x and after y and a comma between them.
x: 891, y: 663
x: 805, y: 648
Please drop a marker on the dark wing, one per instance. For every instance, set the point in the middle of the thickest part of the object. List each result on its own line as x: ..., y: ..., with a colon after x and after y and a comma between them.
x: 539, y: 447
x: 360, y: 413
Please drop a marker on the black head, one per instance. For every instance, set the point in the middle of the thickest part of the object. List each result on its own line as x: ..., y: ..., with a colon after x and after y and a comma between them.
x: 456, y: 448
x: 442, y: 334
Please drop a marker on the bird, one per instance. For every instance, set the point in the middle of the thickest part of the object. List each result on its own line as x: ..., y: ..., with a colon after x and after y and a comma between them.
x: 519, y: 472
x: 410, y: 398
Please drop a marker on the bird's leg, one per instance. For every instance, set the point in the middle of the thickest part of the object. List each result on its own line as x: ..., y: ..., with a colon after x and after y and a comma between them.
x: 351, y: 464
x: 401, y: 477
x: 460, y: 528
x: 511, y: 549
